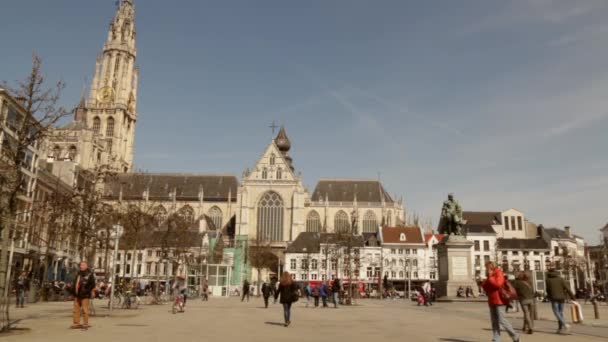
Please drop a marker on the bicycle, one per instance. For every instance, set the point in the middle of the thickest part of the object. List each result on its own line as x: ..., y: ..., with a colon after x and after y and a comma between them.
x: 131, y: 301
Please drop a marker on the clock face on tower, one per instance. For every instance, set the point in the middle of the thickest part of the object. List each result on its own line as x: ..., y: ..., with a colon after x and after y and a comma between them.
x: 105, y: 95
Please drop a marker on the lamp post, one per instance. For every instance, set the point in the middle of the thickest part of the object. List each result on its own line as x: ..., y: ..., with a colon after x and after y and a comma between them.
x: 117, y: 233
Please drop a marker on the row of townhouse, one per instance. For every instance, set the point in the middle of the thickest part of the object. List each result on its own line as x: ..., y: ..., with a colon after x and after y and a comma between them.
x: 397, y: 254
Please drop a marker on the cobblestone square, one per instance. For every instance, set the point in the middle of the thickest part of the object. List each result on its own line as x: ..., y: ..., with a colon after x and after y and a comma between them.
x: 223, y: 319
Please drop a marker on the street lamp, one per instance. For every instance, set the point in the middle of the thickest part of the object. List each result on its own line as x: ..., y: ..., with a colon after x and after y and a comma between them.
x: 116, y: 233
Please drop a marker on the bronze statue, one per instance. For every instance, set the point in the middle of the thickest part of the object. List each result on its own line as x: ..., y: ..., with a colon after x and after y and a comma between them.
x: 451, y: 217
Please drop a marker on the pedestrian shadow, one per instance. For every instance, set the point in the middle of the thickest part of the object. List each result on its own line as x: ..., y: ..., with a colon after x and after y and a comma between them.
x: 455, y: 340
x: 275, y: 323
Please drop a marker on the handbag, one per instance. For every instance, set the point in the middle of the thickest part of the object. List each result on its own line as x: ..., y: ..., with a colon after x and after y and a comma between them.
x: 507, y: 292
x: 295, y: 296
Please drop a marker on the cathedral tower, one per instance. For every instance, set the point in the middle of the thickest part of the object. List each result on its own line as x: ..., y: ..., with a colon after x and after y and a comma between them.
x: 111, y: 110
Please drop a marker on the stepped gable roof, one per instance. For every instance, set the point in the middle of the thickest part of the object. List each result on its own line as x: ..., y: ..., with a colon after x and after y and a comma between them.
x: 344, y: 190
x: 517, y: 244
x: 480, y: 222
x: 160, y: 186
x: 393, y: 235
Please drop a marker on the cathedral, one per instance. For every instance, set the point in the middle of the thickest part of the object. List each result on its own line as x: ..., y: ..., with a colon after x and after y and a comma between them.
x: 269, y: 203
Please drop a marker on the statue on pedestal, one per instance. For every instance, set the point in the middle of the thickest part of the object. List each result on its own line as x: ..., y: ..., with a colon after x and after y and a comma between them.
x: 451, y: 217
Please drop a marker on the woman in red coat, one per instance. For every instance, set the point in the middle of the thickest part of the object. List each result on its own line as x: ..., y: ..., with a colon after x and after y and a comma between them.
x: 492, y: 285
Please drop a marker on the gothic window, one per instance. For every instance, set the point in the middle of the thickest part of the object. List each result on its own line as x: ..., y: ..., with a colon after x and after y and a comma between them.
x: 389, y: 218
x: 56, y: 152
x: 187, y: 213
x: 313, y: 222
x: 117, y: 65
x: 96, y: 125
x: 341, y: 224
x: 370, y: 224
x: 215, y: 214
x: 270, y: 217
x: 110, y: 127
x: 279, y: 173
x: 264, y: 173
x: 160, y: 214
x: 72, y: 153
x: 272, y: 159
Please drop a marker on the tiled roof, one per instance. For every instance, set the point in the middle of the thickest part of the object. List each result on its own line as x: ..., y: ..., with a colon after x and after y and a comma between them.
x: 482, y: 217
x: 160, y: 186
x: 393, y: 235
x: 427, y: 237
x: 344, y: 190
x: 162, y: 237
x: 517, y: 244
x: 312, y: 242
x: 479, y: 229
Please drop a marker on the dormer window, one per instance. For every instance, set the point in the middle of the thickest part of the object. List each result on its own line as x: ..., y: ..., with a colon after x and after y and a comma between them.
x: 402, y: 237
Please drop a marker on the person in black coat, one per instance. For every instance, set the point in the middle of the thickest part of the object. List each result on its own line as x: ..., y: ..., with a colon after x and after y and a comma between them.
x: 288, y: 291
x: 83, y: 286
x: 266, y: 292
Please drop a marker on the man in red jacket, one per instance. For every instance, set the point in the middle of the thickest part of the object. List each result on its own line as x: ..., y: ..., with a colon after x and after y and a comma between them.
x: 492, y: 285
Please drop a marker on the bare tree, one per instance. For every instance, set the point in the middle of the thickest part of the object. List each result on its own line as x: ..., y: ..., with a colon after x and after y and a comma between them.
x: 42, y: 111
x: 261, y: 257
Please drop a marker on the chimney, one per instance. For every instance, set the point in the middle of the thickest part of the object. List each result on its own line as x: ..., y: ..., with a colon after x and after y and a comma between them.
x: 539, y: 231
x: 567, y: 230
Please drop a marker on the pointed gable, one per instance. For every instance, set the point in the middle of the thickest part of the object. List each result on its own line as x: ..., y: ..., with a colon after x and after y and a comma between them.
x: 272, y: 165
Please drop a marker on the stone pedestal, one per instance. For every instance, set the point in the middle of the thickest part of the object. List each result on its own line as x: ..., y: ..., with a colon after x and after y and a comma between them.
x: 455, y: 269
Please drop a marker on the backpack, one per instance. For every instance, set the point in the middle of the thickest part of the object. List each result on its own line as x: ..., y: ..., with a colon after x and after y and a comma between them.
x: 295, y: 293
x: 507, y: 292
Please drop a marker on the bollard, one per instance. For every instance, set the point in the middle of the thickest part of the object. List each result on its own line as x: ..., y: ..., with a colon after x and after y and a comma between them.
x: 534, y: 310
x: 596, y: 309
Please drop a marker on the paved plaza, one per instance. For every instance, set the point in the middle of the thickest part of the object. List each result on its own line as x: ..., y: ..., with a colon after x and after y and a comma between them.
x: 223, y: 319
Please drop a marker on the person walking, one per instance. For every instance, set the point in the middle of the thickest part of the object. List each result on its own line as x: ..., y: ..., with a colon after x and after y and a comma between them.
x: 426, y: 293
x: 525, y: 295
x: 21, y: 286
x: 316, y: 292
x: 288, y: 291
x: 246, y: 289
x: 324, y: 293
x: 84, y: 283
x: 308, y: 293
x: 266, y: 292
x: 557, y: 293
x: 335, y: 289
x: 492, y: 285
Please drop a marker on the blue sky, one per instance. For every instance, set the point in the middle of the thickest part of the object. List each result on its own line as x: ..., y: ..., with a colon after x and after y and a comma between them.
x: 501, y: 102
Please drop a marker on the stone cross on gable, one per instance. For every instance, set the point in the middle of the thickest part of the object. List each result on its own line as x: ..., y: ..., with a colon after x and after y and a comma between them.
x: 273, y: 126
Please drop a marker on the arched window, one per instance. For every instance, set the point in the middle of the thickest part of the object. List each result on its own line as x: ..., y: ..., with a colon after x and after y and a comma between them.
x: 370, y: 224
x: 341, y: 224
x: 264, y: 173
x: 56, y: 152
x: 400, y: 274
x: 389, y: 218
x: 272, y: 159
x: 313, y: 222
x: 279, y: 173
x: 415, y: 263
x: 215, y: 214
x: 160, y: 214
x: 270, y: 217
x: 400, y: 262
x: 96, y: 125
x: 72, y: 153
x: 110, y: 127
x: 187, y: 213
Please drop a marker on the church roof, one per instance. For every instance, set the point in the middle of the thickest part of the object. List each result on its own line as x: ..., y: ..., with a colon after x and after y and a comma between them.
x: 344, y: 190
x: 160, y: 186
x: 75, y: 126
